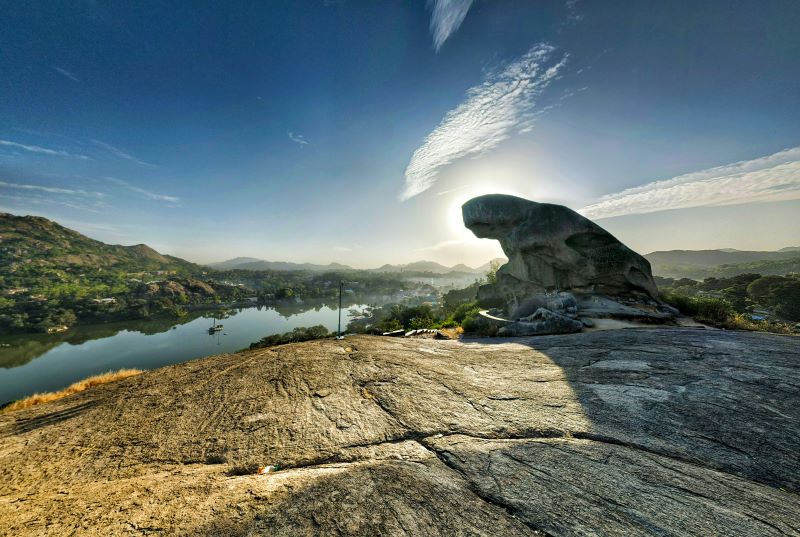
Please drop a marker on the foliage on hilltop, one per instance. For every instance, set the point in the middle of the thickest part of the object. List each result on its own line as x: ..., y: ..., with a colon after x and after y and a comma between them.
x: 52, y: 277
x: 31, y: 244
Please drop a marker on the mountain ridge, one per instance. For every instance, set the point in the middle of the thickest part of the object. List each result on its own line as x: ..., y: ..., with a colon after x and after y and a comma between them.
x: 701, y: 264
x: 251, y: 263
x: 718, y: 256
x: 35, y: 240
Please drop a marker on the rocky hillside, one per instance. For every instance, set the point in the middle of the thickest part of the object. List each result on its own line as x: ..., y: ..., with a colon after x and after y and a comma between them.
x: 42, y: 243
x: 633, y: 432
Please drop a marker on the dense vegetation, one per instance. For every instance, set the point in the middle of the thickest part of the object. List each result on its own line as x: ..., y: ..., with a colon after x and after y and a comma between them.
x: 457, y: 308
x: 295, y: 336
x: 749, y: 301
x: 53, y: 277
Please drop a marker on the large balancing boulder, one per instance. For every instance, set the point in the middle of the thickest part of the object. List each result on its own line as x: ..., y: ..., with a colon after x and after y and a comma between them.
x: 551, y: 247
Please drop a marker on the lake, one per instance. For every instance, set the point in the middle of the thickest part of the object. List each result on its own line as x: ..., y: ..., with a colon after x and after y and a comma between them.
x: 31, y: 363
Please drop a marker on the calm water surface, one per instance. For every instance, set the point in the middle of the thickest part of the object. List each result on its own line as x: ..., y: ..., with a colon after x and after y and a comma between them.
x: 33, y: 363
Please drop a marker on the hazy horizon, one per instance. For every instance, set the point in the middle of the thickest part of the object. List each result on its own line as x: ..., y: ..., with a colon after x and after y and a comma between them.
x: 351, y: 132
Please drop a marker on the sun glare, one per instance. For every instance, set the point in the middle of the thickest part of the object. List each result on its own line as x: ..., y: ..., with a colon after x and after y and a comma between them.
x: 461, y: 196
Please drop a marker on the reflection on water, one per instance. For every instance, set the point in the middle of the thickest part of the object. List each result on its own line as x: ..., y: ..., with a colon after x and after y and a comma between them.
x: 31, y: 363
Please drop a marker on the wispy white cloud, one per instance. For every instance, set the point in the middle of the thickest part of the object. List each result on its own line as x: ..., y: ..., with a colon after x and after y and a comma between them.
x: 571, y: 93
x: 122, y: 154
x: 50, y: 189
x: 775, y: 177
x: 440, y: 245
x: 297, y: 138
x: 450, y: 190
x: 174, y: 200
x: 22, y: 202
x: 446, y: 17
x: 42, y: 150
x: 66, y: 73
x: 492, y: 112
x: 574, y: 16
x: 32, y: 195
x: 350, y: 248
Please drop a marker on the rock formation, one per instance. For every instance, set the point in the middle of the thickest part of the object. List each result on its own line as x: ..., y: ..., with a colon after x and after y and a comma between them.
x: 665, y: 431
x: 553, y: 248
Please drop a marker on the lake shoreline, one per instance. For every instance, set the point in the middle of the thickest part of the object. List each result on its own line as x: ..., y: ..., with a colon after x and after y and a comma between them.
x: 31, y: 363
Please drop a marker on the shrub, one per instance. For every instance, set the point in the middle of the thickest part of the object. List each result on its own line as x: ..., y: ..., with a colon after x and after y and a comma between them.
x: 470, y: 309
x: 421, y: 322
x: 715, y: 311
x: 491, y: 275
x: 477, y: 325
x: 298, y: 334
x: 389, y: 325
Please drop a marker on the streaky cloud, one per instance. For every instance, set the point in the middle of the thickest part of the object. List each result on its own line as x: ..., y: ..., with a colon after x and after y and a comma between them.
x: 38, y: 199
x: 774, y: 177
x: 174, y: 200
x: 440, y: 245
x: 50, y: 189
x: 67, y: 74
x: 42, y: 150
x: 297, y: 138
x: 122, y: 154
x: 446, y: 18
x: 493, y: 111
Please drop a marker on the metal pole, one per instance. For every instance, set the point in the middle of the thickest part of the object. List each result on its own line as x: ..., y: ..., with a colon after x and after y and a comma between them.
x: 341, y: 286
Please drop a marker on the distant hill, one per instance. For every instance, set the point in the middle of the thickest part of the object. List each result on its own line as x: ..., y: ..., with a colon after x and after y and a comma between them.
x: 769, y: 267
x: 483, y: 269
x: 250, y: 263
x: 234, y: 263
x: 699, y: 264
x: 38, y: 242
x: 418, y: 266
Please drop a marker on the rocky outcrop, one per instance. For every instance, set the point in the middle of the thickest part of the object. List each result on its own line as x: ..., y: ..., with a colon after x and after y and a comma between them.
x: 543, y: 321
x: 553, y: 248
x: 662, y: 431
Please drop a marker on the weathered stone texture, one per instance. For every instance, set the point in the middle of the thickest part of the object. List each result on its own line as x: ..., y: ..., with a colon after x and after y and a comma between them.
x: 551, y: 247
x: 633, y: 432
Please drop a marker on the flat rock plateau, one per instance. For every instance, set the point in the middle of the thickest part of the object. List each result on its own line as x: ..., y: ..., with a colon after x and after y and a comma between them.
x: 651, y: 431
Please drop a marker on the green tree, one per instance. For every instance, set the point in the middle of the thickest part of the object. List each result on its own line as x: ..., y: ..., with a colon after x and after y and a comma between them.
x: 491, y: 274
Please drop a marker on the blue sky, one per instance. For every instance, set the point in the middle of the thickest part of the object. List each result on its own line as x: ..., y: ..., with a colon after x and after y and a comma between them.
x: 352, y: 131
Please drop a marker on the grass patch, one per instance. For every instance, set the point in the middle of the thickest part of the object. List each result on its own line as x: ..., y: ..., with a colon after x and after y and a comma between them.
x: 81, y: 385
x: 740, y: 321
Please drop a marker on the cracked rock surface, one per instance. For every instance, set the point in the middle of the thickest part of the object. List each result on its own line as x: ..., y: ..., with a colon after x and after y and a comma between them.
x: 667, y: 431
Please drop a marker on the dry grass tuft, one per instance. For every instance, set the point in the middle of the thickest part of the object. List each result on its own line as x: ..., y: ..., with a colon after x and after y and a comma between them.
x: 81, y: 385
